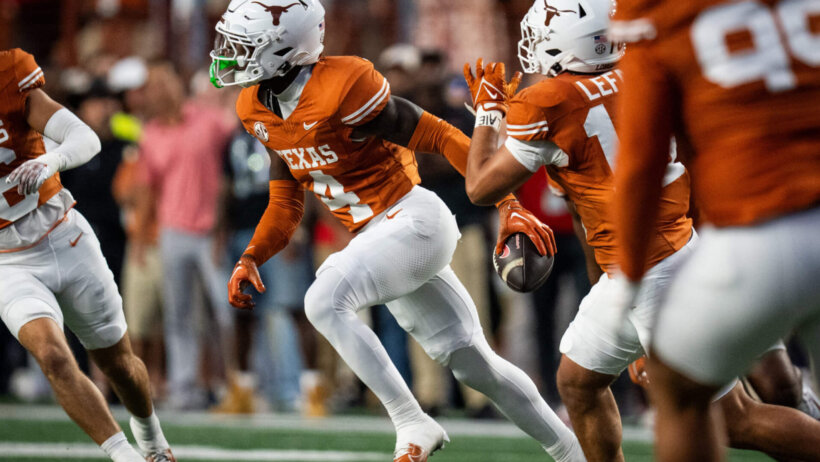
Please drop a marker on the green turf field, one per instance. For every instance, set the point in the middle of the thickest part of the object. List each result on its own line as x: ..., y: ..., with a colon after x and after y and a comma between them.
x: 29, y: 433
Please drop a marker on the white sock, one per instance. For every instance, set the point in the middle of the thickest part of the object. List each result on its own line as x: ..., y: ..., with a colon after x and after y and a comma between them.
x: 119, y: 450
x: 563, y: 452
x: 148, y: 434
x: 404, y: 412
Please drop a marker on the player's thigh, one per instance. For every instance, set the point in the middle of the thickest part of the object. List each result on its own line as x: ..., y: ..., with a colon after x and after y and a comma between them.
x: 88, y: 295
x: 394, y: 256
x: 24, y: 298
x: 743, y: 289
x: 601, y: 338
x: 440, y: 315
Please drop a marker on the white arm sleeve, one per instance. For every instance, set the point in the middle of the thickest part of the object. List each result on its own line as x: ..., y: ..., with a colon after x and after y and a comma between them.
x: 534, y: 154
x: 78, y: 142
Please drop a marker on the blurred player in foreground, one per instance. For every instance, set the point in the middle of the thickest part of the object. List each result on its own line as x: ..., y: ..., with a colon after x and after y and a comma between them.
x: 567, y: 123
x: 332, y: 127
x: 738, y: 84
x: 52, y: 269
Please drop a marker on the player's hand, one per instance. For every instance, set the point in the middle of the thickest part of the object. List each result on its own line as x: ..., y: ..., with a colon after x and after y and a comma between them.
x: 489, y: 87
x: 637, y: 372
x: 29, y: 176
x: 244, y: 274
x: 514, y: 218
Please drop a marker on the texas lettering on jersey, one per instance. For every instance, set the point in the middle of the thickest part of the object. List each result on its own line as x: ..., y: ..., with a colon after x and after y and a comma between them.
x: 19, y: 74
x: 307, y: 158
x: 355, y: 179
x: 743, y: 81
x: 578, y: 115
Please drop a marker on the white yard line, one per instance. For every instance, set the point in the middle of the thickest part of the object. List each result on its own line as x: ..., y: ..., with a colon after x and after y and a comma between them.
x: 334, y: 424
x: 90, y: 451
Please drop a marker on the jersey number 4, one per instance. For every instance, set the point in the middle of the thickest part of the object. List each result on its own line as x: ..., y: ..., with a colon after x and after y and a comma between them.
x: 334, y: 196
x: 760, y: 53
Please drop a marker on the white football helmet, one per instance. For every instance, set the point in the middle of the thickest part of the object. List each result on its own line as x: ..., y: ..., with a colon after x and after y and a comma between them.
x: 260, y: 39
x: 561, y: 35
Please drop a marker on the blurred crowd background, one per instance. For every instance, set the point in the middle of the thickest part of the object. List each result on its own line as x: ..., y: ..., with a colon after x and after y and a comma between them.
x: 178, y: 188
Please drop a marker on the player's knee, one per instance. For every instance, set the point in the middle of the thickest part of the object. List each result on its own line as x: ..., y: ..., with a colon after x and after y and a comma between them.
x: 56, y: 362
x: 120, y: 367
x: 473, y: 369
x: 317, y: 304
x: 576, y: 384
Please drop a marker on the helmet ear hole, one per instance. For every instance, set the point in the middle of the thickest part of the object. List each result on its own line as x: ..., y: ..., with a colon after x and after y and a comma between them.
x: 553, y: 52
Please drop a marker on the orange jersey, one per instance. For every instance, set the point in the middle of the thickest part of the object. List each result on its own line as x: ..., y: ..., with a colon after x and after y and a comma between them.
x: 577, y: 115
x: 356, y: 180
x: 19, y: 74
x: 740, y: 81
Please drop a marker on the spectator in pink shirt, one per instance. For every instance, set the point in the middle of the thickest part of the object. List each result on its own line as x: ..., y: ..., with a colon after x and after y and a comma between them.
x: 181, y: 158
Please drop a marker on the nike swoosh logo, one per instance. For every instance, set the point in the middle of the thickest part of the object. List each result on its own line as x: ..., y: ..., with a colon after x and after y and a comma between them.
x: 75, y: 241
x: 516, y: 214
x: 393, y: 215
x: 492, y: 95
x: 309, y: 126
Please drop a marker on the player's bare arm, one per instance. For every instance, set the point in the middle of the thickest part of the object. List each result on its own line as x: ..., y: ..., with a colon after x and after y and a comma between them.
x: 78, y: 143
x: 279, y: 222
x: 492, y: 172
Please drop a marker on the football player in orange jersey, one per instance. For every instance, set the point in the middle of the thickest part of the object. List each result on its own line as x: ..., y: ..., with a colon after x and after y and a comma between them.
x: 567, y: 124
x: 52, y: 269
x: 332, y: 127
x: 738, y: 82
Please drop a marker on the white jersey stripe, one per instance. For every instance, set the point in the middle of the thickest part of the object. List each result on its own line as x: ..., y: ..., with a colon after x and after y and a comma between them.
x: 523, y: 127
x: 33, y: 81
x: 527, y: 132
x: 365, y: 110
x: 29, y: 77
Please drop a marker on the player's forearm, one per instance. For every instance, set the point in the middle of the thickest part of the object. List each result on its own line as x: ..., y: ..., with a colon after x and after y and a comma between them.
x: 434, y: 135
x: 280, y: 220
x: 484, y: 187
x: 78, y: 142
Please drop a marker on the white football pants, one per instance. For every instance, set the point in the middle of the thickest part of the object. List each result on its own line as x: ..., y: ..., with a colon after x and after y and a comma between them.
x: 403, y: 261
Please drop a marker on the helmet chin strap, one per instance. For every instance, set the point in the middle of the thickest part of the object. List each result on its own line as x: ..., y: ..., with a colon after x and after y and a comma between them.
x: 280, y: 83
x: 561, y: 65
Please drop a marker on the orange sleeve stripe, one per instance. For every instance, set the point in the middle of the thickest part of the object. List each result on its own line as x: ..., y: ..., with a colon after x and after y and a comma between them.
x: 279, y: 222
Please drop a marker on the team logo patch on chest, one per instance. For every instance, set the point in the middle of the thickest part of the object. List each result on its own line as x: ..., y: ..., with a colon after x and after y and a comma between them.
x: 261, y: 131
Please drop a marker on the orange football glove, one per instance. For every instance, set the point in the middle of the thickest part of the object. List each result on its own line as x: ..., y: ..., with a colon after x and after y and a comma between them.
x: 637, y: 372
x: 244, y: 273
x: 514, y: 218
x: 489, y: 87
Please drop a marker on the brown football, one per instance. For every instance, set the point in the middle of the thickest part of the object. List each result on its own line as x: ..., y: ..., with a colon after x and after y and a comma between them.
x: 520, y: 265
